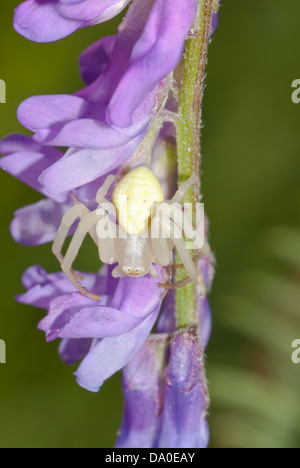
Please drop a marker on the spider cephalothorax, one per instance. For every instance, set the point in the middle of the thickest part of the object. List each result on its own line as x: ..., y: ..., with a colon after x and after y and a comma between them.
x: 137, y: 230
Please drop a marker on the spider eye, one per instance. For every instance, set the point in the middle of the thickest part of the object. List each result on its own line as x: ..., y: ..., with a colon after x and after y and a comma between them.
x: 140, y: 270
x: 126, y: 269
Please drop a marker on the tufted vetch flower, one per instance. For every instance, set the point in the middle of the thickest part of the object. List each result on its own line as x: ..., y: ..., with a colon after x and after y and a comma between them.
x: 115, y: 327
x: 127, y: 115
x: 165, y: 393
x: 106, y: 121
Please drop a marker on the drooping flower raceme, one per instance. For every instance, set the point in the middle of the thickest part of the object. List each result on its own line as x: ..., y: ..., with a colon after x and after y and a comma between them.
x: 123, y: 118
x: 107, y: 121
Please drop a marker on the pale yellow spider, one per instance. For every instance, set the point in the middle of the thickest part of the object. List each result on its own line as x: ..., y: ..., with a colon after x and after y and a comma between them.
x: 138, y: 208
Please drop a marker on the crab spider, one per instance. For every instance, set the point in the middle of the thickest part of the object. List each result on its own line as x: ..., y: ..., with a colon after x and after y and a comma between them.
x: 123, y: 229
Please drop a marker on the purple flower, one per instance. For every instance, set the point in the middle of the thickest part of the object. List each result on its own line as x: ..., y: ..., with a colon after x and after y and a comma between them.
x: 215, y: 17
x: 108, y: 120
x: 166, y: 407
x: 51, y: 20
x: 27, y: 160
x: 143, y: 388
x: 116, y: 327
x: 186, y: 397
x: 167, y: 319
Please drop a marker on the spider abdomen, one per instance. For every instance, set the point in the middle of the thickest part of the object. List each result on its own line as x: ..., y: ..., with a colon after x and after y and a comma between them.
x: 133, y: 198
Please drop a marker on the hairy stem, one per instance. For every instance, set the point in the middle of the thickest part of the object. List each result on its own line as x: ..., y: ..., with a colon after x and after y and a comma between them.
x: 188, y: 137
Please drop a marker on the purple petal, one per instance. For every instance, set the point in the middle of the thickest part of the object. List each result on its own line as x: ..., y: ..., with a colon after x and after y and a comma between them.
x: 85, y: 166
x: 215, y: 18
x: 17, y: 142
x: 205, y: 321
x: 85, y: 133
x: 40, y: 112
x: 154, y: 56
x: 214, y: 24
x: 61, y: 310
x: 112, y: 354
x: 68, y: 318
x: 43, y: 287
x: 129, y: 32
x: 91, y: 11
x: 138, y: 297
x: 39, y: 21
x: 27, y: 159
x: 38, y: 223
x: 98, y: 322
x: 51, y: 20
x: 27, y: 167
x: 143, y: 395
x: 167, y: 320
x: 185, y: 401
x: 73, y: 351
x: 207, y: 267
x: 72, y: 121
x: 76, y: 316
x: 95, y: 59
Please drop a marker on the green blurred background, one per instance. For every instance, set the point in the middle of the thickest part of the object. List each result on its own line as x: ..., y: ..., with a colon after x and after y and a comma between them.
x: 251, y: 165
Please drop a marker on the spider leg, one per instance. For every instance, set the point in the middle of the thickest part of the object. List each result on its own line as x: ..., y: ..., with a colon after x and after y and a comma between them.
x: 68, y: 219
x: 177, y: 285
x: 187, y: 280
x: 100, y: 197
x: 194, y: 257
x: 176, y: 237
x: 153, y: 273
x: 184, y: 188
x: 189, y: 231
x: 79, y: 210
x: 162, y: 250
x: 106, y: 245
x: 85, y: 226
x: 118, y: 273
x: 92, y: 232
x: 162, y: 246
x: 181, y: 219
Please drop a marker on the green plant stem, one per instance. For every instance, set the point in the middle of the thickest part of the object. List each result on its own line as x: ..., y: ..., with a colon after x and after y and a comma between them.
x: 188, y: 138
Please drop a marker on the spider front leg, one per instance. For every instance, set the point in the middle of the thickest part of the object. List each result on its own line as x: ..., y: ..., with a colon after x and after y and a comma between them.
x: 176, y: 215
x: 102, y: 192
x: 118, y: 273
x: 106, y: 238
x: 79, y: 210
x: 162, y: 246
x: 171, y: 235
x: 85, y: 226
x: 179, y: 242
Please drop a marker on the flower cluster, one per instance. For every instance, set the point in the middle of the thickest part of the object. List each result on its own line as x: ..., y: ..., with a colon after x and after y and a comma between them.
x: 120, y: 119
